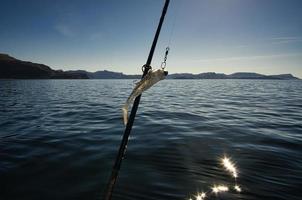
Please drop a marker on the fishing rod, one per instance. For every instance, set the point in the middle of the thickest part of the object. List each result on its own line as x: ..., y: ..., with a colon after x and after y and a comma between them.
x: 123, y: 145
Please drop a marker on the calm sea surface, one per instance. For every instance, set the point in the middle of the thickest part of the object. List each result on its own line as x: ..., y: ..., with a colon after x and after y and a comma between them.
x: 59, y: 138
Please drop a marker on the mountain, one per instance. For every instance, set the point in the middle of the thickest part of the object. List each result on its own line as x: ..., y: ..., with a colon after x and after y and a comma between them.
x: 13, y: 68
x: 207, y: 75
x: 283, y: 76
x: 249, y: 75
x: 238, y: 75
x: 246, y: 75
x: 105, y: 74
x: 112, y: 75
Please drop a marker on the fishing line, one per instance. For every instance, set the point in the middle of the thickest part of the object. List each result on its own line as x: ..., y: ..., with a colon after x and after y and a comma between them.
x: 171, y: 34
x: 175, y: 14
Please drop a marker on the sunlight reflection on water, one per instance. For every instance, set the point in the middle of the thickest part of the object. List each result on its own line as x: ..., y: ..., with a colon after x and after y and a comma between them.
x: 219, y: 188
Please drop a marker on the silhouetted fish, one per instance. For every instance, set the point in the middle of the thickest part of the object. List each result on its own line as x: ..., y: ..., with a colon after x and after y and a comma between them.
x: 148, y: 81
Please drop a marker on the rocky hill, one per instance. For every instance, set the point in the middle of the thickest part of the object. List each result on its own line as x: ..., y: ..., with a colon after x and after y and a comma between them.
x: 12, y: 68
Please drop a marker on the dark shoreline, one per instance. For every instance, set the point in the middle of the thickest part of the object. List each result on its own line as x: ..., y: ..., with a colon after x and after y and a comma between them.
x: 12, y: 68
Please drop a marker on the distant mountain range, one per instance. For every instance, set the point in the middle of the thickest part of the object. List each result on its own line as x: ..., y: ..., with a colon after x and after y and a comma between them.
x: 238, y: 75
x: 12, y: 68
x: 104, y: 74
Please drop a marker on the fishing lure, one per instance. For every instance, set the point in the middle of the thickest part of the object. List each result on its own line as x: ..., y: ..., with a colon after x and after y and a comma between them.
x: 148, y: 81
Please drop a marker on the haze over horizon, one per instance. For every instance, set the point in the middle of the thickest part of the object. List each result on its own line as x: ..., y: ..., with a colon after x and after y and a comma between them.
x: 208, y: 36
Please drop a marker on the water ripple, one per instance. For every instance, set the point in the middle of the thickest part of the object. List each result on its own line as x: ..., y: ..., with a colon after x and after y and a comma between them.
x: 59, y: 138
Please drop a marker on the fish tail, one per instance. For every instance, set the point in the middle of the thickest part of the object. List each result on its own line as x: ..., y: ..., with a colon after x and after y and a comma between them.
x: 125, y: 114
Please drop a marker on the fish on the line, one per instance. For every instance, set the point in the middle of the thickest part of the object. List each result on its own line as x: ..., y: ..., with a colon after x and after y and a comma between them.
x: 151, y: 78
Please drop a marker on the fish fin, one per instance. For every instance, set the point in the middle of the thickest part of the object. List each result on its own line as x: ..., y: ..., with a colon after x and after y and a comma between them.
x: 125, y: 114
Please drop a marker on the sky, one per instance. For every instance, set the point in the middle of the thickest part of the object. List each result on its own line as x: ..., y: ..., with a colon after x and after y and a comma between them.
x: 223, y: 36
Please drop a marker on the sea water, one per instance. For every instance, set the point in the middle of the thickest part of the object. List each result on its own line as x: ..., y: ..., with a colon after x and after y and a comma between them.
x: 59, y: 139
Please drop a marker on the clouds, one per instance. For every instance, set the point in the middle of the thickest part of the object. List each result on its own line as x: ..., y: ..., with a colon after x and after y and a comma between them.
x: 286, y: 40
x: 248, y: 58
x: 64, y: 30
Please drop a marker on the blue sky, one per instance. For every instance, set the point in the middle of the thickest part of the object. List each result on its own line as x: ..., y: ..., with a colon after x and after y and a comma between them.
x: 207, y: 35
